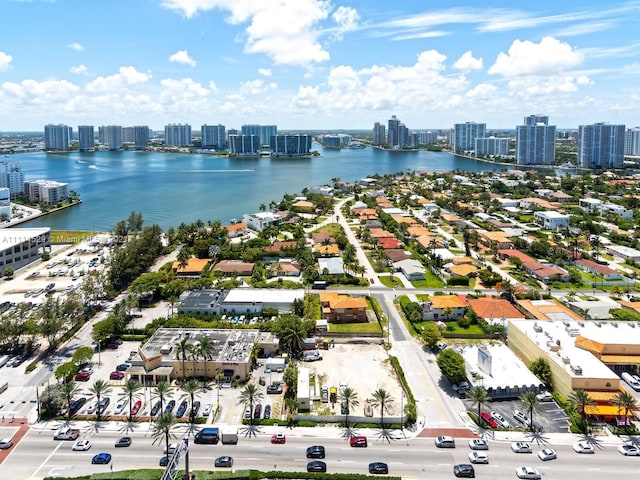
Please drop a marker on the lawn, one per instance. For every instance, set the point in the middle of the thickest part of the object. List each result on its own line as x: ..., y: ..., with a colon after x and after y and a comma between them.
x: 453, y: 327
x: 368, y: 327
x: 390, y: 281
x: 68, y: 236
x: 431, y: 281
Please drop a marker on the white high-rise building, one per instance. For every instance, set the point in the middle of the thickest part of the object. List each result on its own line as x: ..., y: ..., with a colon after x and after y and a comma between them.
x: 86, y: 138
x: 141, y: 136
x: 5, y: 204
x: 57, y: 137
x: 111, y: 136
x: 632, y: 142
x: 11, y: 177
x: 536, y: 141
x: 465, y: 134
x: 213, y: 136
x: 46, y: 191
x: 177, y: 135
x: 601, y: 145
x: 264, y: 132
x: 379, y: 134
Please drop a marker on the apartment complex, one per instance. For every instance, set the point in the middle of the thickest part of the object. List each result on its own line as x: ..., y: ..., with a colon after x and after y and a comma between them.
x: 213, y: 136
x: 110, y: 136
x: 57, y: 137
x: 536, y: 141
x: 86, y: 138
x: 492, y: 146
x: 177, y: 135
x: 292, y: 145
x: 601, y: 145
x: 11, y: 177
x: 46, y: 191
x: 465, y: 134
x: 632, y: 142
x: 263, y: 132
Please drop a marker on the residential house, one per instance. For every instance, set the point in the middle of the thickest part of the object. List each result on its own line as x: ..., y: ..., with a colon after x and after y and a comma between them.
x: 601, y: 271
x: 412, y: 269
x: 330, y: 250
x: 236, y: 230
x: 234, y: 267
x: 443, y: 307
x: 551, y: 220
x: 279, y: 246
x: 331, y: 265
x: 496, y: 239
x: 494, y: 310
x: 389, y: 243
x: 284, y: 268
x: 338, y: 308
x: 621, y: 251
x: 303, y: 206
x: 545, y: 272
x: 261, y: 220
x: 193, y: 268
x: 463, y: 270
x: 561, y: 197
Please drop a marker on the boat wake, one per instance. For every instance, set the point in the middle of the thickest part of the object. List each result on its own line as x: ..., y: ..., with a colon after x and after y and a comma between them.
x: 220, y: 171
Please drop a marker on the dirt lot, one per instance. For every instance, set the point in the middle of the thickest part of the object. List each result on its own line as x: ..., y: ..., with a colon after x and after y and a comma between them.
x: 365, y: 368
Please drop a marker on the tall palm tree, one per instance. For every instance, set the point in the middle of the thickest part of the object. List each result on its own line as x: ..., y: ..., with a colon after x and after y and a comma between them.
x: 205, y: 349
x: 161, y: 430
x: 182, y: 348
x: 580, y: 400
x: 382, y: 399
x: 99, y: 389
x: 626, y: 400
x: 193, y: 351
x: 249, y: 396
x: 529, y: 402
x: 69, y: 390
x: 349, y: 397
x: 161, y: 391
x: 478, y: 396
x: 218, y: 379
x: 130, y: 391
x: 191, y: 387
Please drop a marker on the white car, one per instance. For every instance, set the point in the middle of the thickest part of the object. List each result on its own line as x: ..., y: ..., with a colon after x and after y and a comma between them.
x: 478, y: 457
x: 92, y: 407
x: 544, y: 397
x: 81, y: 445
x: 478, y: 444
x: 6, y: 443
x: 173, y: 447
x: 521, y: 447
x: 547, y: 454
x: 522, y: 417
x: 629, y: 450
x: 206, y: 411
x: 120, y: 407
x: 583, y: 447
x: 528, y: 473
x: 502, y: 422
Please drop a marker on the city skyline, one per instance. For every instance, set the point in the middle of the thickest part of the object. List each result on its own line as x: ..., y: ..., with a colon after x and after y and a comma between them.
x: 343, y: 65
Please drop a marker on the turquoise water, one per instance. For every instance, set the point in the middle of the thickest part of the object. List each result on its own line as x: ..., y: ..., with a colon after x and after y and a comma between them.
x: 169, y: 189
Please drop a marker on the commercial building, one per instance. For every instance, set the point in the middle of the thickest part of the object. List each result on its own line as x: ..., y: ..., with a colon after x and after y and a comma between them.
x: 177, y: 135
x: 21, y: 246
x: 244, y: 144
x: 536, y: 141
x: 110, y: 136
x: 57, y: 137
x: 465, y: 134
x: 492, y: 146
x: 263, y: 132
x: 46, y: 191
x: 238, y: 301
x: 213, y: 136
x: 86, y: 138
x: 379, y: 134
x: 290, y: 145
x: 601, y: 145
x: 11, y: 177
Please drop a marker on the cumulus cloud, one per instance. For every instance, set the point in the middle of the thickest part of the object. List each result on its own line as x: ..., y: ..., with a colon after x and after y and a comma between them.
x: 79, y: 70
x: 540, y: 86
x: 524, y: 58
x: 286, y: 31
x: 5, y: 62
x: 347, y: 19
x: 265, y: 71
x: 467, y: 62
x: 256, y: 87
x: 32, y: 92
x: 125, y: 77
x: 76, y: 46
x: 182, y: 56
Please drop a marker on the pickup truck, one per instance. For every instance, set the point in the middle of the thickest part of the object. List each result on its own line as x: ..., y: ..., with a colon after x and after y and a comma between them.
x: 67, y: 434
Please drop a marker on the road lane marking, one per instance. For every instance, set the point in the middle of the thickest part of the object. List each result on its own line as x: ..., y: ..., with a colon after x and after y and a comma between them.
x: 46, y: 459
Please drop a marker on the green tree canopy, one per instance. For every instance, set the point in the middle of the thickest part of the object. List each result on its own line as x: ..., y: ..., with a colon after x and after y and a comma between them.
x: 452, y: 365
x: 431, y: 334
x: 541, y: 369
x: 82, y: 355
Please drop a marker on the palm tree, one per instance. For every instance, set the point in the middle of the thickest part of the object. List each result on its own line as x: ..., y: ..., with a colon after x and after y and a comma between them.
x: 69, y: 390
x: 291, y: 404
x: 192, y: 387
x: 162, y: 389
x: 529, y: 402
x: 130, y: 390
x: 99, y: 389
x: 478, y: 396
x: 193, y: 350
x: 205, y: 349
x: 182, y: 348
x: 218, y: 379
x: 626, y: 400
x: 349, y: 397
x: 161, y: 430
x: 249, y: 396
x: 580, y: 400
x: 382, y: 399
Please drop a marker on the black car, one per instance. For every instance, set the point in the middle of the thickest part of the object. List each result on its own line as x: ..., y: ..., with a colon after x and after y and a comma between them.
x: 274, y: 389
x: 123, y: 367
x: 378, y: 467
x: 169, y: 407
x: 181, y: 409
x: 155, y: 409
x: 316, y: 466
x: 123, y: 442
x: 317, y: 451
x: 257, y: 411
x: 195, y: 408
x: 464, y: 470
x: 267, y: 412
x: 77, y: 404
x: 164, y: 461
x: 224, y: 461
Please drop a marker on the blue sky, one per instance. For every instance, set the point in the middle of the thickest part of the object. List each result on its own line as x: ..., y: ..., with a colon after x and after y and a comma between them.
x: 316, y: 64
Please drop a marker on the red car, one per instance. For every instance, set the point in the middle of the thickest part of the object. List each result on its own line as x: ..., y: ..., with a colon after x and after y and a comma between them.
x: 278, y: 438
x: 136, y: 407
x: 82, y: 377
x: 116, y: 376
x: 358, y: 441
x: 489, y: 419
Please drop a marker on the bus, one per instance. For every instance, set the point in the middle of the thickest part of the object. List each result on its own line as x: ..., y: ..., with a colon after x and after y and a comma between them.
x: 320, y: 285
x: 207, y: 436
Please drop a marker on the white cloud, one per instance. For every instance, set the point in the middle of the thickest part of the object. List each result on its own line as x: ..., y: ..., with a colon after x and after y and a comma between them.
x: 32, y: 92
x: 538, y: 86
x: 467, y: 62
x: 429, y: 34
x: 550, y: 56
x: 265, y: 71
x: 286, y: 31
x: 127, y: 76
x: 256, y: 87
x: 76, y: 46
x: 583, y: 29
x: 79, y: 70
x: 5, y: 62
x: 347, y: 19
x: 182, y: 56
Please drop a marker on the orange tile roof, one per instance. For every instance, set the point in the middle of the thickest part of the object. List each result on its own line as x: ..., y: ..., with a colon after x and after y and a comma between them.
x: 417, y: 230
x: 491, y: 307
x: 380, y: 233
x: 589, y: 345
x: 461, y: 260
x: 235, y: 226
x: 447, y: 301
x: 194, y: 265
x: 540, y: 310
x: 463, y: 270
x: 331, y: 249
x: 403, y: 219
x: 621, y: 359
x: 339, y: 301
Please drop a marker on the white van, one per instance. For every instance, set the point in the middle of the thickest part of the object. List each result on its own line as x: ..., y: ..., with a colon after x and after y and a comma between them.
x: 633, y: 383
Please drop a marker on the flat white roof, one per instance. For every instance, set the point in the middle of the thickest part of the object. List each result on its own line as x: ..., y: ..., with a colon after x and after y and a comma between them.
x: 568, y: 354
x: 14, y: 236
x: 264, y: 295
x: 507, y: 370
x: 552, y: 214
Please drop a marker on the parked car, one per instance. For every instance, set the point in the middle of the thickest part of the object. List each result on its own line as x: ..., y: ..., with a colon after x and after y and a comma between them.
x: 120, y: 406
x: 478, y: 444
x: 224, y: 461
x: 136, y: 407
x: 169, y: 407
x: 489, y: 419
x: 82, y: 377
x: 316, y: 466
x: 101, y: 458
x: 93, y: 406
x: 478, y: 457
x: 583, y: 447
x: 629, y: 450
x: 502, y: 422
x: 529, y: 473
x: 155, y: 409
x: 544, y: 397
x: 380, y: 468
x: 464, y: 470
x: 164, y: 461
x: 257, y: 411
x: 206, y: 411
x: 116, y: 375
x: 521, y: 447
x: 278, y: 438
x: 547, y: 454
x: 182, y: 408
x: 521, y: 417
x: 358, y: 441
x: 81, y: 445
x: 274, y: 389
x: 317, y: 451
x: 123, y: 442
x: 195, y: 408
x: 123, y: 367
x: 463, y: 385
x: 445, y: 441
x: 267, y: 412
x: 77, y: 404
